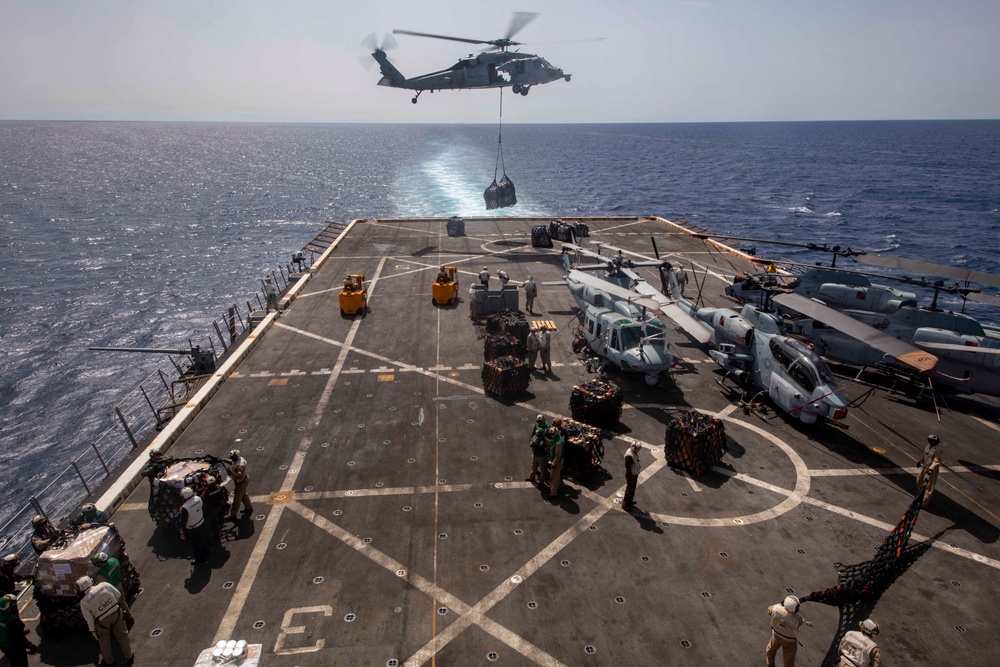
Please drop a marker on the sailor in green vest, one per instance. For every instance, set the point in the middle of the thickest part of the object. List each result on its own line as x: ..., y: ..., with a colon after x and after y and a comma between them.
x: 13, y: 642
x: 539, y: 445
x: 110, y: 570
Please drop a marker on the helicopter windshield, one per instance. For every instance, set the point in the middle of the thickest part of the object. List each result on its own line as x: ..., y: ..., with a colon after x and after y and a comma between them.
x: 803, y: 364
x: 630, y: 336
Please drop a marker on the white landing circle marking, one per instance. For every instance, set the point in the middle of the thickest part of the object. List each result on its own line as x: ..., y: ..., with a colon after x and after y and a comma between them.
x: 802, y: 481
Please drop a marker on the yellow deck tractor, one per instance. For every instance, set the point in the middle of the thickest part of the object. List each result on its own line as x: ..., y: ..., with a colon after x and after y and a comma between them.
x: 354, y: 296
x: 445, y: 288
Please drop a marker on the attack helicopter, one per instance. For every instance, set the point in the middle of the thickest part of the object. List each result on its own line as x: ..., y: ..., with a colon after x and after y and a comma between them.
x: 495, y: 67
x: 966, y: 354
x: 751, y: 347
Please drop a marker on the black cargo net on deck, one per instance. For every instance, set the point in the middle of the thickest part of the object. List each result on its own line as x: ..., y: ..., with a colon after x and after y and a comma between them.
x: 860, y: 586
x: 500, y: 195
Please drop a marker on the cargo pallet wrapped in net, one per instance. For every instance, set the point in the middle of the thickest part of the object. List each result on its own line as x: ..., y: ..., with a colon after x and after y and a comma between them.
x: 596, y: 402
x: 496, y: 345
x: 456, y: 226
x: 65, y: 561
x: 165, y: 499
x: 584, y: 449
x: 561, y: 231
x: 514, y: 324
x: 695, y: 442
x: 505, y: 376
x: 540, y: 237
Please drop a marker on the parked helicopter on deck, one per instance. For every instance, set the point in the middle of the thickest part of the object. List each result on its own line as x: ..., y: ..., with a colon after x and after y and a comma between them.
x: 495, y: 67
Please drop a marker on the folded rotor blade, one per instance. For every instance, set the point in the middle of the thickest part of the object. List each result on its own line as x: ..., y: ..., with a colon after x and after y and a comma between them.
x: 983, y: 297
x: 943, y: 270
x: 902, y: 351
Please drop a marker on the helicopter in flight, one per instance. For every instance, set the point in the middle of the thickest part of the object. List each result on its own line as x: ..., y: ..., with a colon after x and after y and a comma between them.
x: 495, y: 67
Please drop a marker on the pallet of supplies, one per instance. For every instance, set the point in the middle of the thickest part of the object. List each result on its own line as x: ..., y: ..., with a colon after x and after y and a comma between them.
x: 165, y: 499
x: 456, y: 226
x: 596, y: 402
x: 584, y: 449
x: 695, y: 442
x: 68, y: 559
x: 540, y: 237
x: 514, y: 324
x: 497, y: 345
x: 505, y: 376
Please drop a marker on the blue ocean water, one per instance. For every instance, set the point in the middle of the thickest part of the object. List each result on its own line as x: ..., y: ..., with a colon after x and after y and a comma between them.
x: 140, y: 234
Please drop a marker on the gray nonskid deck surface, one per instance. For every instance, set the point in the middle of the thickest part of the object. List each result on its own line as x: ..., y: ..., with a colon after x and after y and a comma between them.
x: 391, y: 521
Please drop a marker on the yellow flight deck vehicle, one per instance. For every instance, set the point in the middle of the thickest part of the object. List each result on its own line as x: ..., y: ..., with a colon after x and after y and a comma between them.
x: 445, y: 289
x: 354, y: 296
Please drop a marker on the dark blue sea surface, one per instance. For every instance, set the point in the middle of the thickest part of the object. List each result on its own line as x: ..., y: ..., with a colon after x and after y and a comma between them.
x: 140, y: 234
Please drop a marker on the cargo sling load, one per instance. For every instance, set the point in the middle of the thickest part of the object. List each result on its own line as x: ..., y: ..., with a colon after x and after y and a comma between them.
x: 500, y: 195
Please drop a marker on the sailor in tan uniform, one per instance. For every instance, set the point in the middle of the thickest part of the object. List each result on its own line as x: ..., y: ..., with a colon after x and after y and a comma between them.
x: 858, y: 649
x: 930, y: 466
x: 785, y: 624
x: 103, y: 614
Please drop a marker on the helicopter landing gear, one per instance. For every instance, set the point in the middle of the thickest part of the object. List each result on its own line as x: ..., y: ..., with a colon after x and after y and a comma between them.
x: 524, y: 90
x: 516, y: 89
x: 414, y: 100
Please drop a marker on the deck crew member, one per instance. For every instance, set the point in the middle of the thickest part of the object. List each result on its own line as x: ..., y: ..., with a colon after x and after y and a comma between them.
x: 632, y: 467
x: 533, y: 344
x: 44, y: 533
x: 530, y: 292
x: 682, y: 278
x: 858, y: 649
x: 930, y: 467
x: 271, y: 292
x: 539, y: 453
x: 443, y: 276
x: 13, y: 642
x: 216, y: 503
x: 545, y: 348
x: 556, y: 452
x: 109, y: 569
x: 193, y: 527
x: 241, y: 476
x: 785, y: 624
x: 484, y: 277
x: 90, y: 515
x: 156, y: 465
x: 101, y: 610
x: 8, y: 575
x: 504, y: 278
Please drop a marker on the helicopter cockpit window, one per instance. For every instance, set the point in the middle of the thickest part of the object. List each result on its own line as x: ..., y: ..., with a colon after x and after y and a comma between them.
x: 815, y: 363
x: 780, y: 354
x: 630, y: 337
x: 804, y: 374
x: 590, y: 325
x: 615, y: 345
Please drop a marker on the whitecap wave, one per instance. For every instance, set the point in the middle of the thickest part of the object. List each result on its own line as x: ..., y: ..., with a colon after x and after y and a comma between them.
x: 801, y: 209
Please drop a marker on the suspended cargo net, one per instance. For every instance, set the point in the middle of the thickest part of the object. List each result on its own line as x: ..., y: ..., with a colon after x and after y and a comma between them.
x: 596, y: 402
x: 540, y: 237
x: 505, y: 376
x: 584, y: 449
x: 695, y: 442
x: 500, y: 194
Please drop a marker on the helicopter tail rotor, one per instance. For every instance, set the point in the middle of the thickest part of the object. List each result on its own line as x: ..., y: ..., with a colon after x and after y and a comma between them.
x: 372, y: 45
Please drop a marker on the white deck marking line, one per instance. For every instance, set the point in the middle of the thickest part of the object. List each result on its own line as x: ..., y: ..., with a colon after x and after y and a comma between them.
x: 690, y: 480
x: 958, y: 551
x: 252, y: 567
x: 469, y: 615
x: 872, y: 472
x: 986, y: 422
x: 725, y: 412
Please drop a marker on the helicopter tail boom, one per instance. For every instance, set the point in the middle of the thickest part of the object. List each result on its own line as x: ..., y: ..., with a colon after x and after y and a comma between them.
x: 391, y: 76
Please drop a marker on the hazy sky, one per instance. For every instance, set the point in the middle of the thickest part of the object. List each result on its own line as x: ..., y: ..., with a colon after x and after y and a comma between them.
x: 662, y: 61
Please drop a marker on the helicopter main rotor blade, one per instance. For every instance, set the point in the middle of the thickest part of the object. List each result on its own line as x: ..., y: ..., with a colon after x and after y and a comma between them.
x: 943, y: 270
x: 983, y: 297
x: 901, y: 351
x: 427, y: 34
x: 518, y: 21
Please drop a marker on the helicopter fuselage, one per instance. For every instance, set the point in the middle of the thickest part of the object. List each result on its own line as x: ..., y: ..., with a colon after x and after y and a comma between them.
x: 491, y: 69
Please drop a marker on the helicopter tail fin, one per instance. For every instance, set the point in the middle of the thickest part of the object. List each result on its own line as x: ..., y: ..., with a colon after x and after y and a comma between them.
x: 390, y: 75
